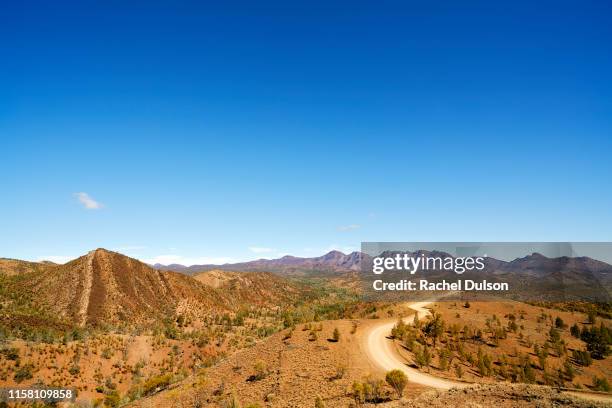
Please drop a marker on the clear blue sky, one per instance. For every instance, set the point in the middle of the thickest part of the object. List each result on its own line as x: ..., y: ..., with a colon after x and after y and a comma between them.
x: 230, y: 133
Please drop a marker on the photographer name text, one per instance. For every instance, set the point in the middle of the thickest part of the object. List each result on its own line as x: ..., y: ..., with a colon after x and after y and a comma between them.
x: 425, y: 285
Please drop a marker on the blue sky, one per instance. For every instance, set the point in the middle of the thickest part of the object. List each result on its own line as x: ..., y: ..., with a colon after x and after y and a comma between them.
x: 211, y: 133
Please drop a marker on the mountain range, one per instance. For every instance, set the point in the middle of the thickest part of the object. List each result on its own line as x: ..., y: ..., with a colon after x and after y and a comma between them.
x: 104, y: 288
x: 290, y: 265
x: 533, y: 276
x: 534, y: 264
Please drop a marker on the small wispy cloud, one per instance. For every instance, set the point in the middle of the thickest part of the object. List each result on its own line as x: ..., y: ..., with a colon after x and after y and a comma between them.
x: 87, y: 201
x: 261, y: 250
x: 350, y: 227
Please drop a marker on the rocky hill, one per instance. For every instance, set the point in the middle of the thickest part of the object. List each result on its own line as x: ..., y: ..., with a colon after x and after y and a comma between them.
x: 105, y: 287
x: 10, y: 267
x: 254, y: 288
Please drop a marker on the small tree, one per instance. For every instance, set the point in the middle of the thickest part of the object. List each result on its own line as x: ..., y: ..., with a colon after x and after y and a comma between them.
x: 528, y: 373
x: 582, y: 357
x: 336, y: 335
x: 358, y: 392
x: 458, y: 370
x: 434, y: 327
x: 443, y: 359
x: 373, y: 389
x: 568, y: 370
x: 559, y: 323
x: 415, y: 322
x: 592, y: 317
x: 397, y: 332
x: 542, y: 361
x: 554, y: 335
x: 512, y: 326
x: 575, y: 331
x: 422, y: 357
x: 601, y: 384
x: 397, y: 380
x: 25, y: 372
x: 112, y: 399
x: 261, y: 370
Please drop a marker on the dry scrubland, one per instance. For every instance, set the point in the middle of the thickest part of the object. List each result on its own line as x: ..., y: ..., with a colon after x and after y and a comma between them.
x: 290, y: 369
x: 117, y: 330
x: 292, y: 366
x: 124, y: 334
x: 305, y: 366
x: 509, y: 341
x: 107, y: 368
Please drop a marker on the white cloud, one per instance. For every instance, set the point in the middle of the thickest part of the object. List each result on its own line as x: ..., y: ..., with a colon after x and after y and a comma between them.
x: 187, y: 261
x: 87, y: 201
x: 58, y: 259
x: 349, y: 227
x: 261, y: 250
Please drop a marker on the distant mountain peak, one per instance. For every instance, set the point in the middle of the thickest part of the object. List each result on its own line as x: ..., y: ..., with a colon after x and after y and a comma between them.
x: 284, y: 257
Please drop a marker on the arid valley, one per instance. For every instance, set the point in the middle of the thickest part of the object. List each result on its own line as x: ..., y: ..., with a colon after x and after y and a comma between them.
x: 123, y: 333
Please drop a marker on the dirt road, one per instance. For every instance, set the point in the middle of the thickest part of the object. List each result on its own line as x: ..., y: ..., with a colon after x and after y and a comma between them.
x: 381, y: 350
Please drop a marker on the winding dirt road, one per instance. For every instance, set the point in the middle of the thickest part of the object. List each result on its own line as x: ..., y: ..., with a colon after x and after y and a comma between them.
x: 381, y: 350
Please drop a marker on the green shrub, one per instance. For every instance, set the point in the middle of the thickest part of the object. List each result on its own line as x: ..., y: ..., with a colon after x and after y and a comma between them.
x: 156, y: 383
x: 582, y: 357
x: 24, y: 373
x: 559, y: 323
x: 575, y: 331
x: 358, y: 392
x: 336, y: 335
x: 11, y: 353
x: 458, y: 370
x: 397, y: 380
x: 601, y: 384
x: 112, y: 399
x: 261, y: 370
x: 107, y: 353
